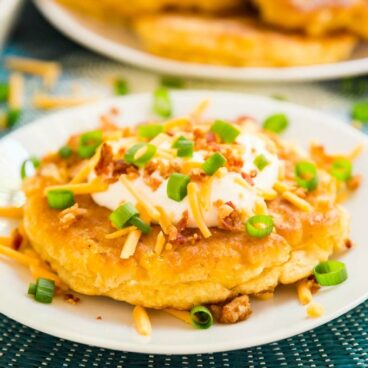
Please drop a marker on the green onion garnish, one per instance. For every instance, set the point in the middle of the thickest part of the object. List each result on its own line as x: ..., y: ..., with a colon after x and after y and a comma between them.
x: 12, y: 116
x: 261, y: 162
x: 201, y: 317
x: 121, y: 87
x: 177, y: 186
x: 32, y: 289
x: 45, y: 290
x: 34, y: 161
x: 184, y: 146
x: 306, y: 175
x: 150, y: 130
x: 330, y: 273
x: 360, y: 111
x: 259, y: 226
x: 162, y: 104
x: 140, y: 224
x: 276, y: 123
x: 148, y: 150
x: 170, y: 81
x: 4, y: 91
x: 213, y: 163
x: 60, y: 199
x: 227, y: 132
x: 88, y: 143
x: 123, y: 214
x: 341, y: 169
x: 65, y: 152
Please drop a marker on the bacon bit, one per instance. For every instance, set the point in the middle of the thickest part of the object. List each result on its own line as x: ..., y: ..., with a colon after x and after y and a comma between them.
x: 224, y: 211
x: 240, y: 120
x: 71, y: 299
x: 301, y: 192
x: 211, y: 137
x: 354, y: 182
x: 114, y: 110
x: 238, y: 309
x: 153, y: 183
x: 313, y: 284
x: 232, y: 222
x: 105, y: 163
x: 99, y: 317
x: 197, y: 174
x: 17, y: 239
x: 71, y: 215
x: 247, y: 178
x: 253, y: 174
x: 187, y: 236
x: 348, y: 243
x: 106, y: 124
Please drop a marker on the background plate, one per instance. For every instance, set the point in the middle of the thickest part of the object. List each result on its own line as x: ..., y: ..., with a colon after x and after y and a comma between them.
x: 271, y: 320
x: 119, y: 44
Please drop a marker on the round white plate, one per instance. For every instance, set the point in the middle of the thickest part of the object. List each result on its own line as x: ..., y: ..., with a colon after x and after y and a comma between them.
x: 271, y: 320
x: 119, y: 44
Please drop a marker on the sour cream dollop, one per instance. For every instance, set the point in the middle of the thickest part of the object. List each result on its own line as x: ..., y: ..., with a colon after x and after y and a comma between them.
x: 224, y: 189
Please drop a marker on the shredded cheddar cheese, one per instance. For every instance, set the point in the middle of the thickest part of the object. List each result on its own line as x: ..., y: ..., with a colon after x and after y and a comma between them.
x: 11, y: 212
x: 160, y: 242
x: 46, y: 102
x: 6, y: 240
x: 120, y: 233
x: 196, y: 210
x: 205, y: 193
x: 42, y: 272
x: 151, y: 210
x: 297, y: 201
x: 16, y: 86
x: 142, y: 322
x: 304, y: 292
x: 143, y: 214
x: 164, y: 220
x: 17, y: 256
x: 179, y: 314
x: 95, y: 186
x: 48, y: 70
x: 160, y: 138
x: 315, y: 310
x: 130, y: 244
x: 174, y: 123
x: 87, y: 168
x: 200, y: 109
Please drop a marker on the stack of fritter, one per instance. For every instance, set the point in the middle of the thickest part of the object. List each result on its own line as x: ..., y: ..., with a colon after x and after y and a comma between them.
x: 241, y: 32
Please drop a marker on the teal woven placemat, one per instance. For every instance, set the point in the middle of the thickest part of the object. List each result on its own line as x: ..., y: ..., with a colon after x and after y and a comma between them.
x: 341, y: 343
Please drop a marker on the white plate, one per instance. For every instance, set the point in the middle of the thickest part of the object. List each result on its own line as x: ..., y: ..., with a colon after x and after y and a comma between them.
x: 119, y: 44
x: 271, y: 320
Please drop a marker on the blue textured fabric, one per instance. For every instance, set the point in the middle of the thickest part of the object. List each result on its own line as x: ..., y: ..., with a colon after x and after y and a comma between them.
x: 341, y: 343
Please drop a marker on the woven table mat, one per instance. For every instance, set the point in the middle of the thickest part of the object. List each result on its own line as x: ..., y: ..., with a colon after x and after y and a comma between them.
x: 340, y: 343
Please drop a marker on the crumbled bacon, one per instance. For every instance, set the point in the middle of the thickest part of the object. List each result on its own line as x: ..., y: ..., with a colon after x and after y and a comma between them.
x: 17, y: 239
x: 240, y: 120
x: 70, y: 215
x: 232, y: 222
x: 152, y: 182
x: 247, y: 178
x: 234, y: 311
x: 105, y: 163
x: 71, y: 299
x: 99, y: 317
x: 183, y: 222
x: 348, y: 243
x: 119, y: 167
x: 106, y: 124
x: 181, y: 234
x: 354, y: 182
x: 253, y: 174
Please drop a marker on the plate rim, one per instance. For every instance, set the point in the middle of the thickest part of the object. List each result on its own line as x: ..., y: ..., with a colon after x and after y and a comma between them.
x: 177, y: 349
x: 60, y: 18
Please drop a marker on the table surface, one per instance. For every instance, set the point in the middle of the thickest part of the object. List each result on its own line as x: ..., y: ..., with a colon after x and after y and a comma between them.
x: 340, y: 343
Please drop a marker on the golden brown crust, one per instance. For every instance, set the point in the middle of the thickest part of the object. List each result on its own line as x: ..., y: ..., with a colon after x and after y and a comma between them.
x: 236, y: 42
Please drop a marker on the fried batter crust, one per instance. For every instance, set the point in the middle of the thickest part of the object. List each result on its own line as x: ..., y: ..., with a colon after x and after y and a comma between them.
x: 236, y: 41
x: 212, y: 270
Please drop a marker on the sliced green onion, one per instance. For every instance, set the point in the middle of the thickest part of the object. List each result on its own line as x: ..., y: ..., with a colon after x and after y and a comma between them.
x: 261, y: 162
x: 45, y: 290
x: 32, y: 289
x: 330, y: 273
x: 60, y: 199
x: 177, y: 186
x: 150, y: 130
x: 259, y: 226
x: 121, y: 87
x: 162, y: 104
x: 276, y: 123
x: 4, y: 91
x: 184, y: 146
x: 170, y: 81
x: 65, y: 152
x: 360, y: 111
x: 201, y: 317
x: 12, y: 117
x: 306, y: 175
x: 280, y: 97
x: 130, y: 154
x: 123, y: 214
x: 34, y: 161
x: 226, y: 131
x: 341, y: 169
x: 140, y: 224
x: 88, y: 143
x: 213, y: 163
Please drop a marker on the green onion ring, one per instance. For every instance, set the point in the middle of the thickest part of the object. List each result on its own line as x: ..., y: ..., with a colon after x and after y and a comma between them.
x: 306, y: 175
x: 177, y: 186
x: 60, y: 199
x: 32, y: 160
x: 341, y: 169
x: 201, y: 317
x: 123, y: 214
x: 259, y: 226
x: 129, y: 156
x: 276, y: 123
x: 140, y: 224
x: 330, y: 273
